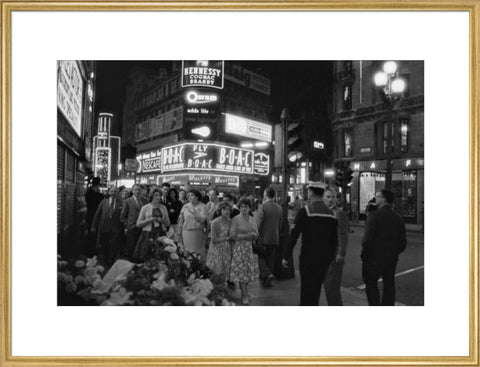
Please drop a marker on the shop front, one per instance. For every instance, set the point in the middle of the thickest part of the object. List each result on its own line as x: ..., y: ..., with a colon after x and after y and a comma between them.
x: 190, y: 165
x: 407, y: 186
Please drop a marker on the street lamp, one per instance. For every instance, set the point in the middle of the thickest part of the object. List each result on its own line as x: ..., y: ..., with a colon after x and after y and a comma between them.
x: 393, y: 87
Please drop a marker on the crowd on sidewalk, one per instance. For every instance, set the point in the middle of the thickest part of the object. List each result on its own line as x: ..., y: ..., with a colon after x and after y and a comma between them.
x: 244, y: 239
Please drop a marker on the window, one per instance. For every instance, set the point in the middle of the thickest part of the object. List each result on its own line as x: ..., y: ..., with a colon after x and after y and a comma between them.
x: 347, y: 98
x: 348, y: 142
x: 404, y: 135
x: 347, y: 66
x: 385, y: 137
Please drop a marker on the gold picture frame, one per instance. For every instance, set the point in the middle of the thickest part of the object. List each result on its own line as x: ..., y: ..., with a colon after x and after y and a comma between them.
x: 470, y: 6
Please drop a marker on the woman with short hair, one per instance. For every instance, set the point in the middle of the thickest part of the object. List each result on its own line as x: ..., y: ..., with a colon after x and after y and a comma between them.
x: 154, y: 221
x: 244, y: 231
x: 219, y: 252
x: 192, y: 221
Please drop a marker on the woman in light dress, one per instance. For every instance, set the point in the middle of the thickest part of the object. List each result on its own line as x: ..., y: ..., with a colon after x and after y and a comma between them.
x: 154, y: 221
x: 219, y: 254
x: 192, y: 221
x: 243, y: 231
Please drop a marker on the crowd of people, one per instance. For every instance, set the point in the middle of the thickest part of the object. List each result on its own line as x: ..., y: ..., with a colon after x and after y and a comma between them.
x: 245, y: 239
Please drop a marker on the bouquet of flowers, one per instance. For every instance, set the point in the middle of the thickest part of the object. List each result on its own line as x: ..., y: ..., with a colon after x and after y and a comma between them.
x: 173, y: 277
x: 76, y: 278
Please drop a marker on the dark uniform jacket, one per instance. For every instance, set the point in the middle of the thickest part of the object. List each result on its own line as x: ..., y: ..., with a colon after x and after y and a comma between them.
x: 318, y: 226
x: 385, y: 235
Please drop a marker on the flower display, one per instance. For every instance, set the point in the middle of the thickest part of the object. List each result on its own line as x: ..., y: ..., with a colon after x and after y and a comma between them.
x: 172, y: 277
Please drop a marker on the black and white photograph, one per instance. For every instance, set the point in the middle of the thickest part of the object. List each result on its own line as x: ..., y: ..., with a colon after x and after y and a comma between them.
x: 240, y: 183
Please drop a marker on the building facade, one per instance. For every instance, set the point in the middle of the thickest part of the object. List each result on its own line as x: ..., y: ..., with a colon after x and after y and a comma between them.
x: 360, y: 128
x: 181, y: 107
x: 75, y: 114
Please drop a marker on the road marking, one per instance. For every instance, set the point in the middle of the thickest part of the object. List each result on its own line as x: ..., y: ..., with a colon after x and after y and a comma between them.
x: 397, y: 275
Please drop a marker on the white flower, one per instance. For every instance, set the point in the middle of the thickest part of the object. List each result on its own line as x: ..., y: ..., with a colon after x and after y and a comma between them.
x: 170, y: 249
x: 92, y: 261
x: 71, y: 287
x: 99, y: 268
x: 79, y: 263
x: 174, y: 256
x: 159, y: 284
x: 79, y: 279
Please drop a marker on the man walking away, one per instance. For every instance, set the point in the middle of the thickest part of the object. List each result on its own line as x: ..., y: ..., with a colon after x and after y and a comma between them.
x: 318, y: 226
x: 333, y: 280
x: 384, y: 239
x: 269, y: 223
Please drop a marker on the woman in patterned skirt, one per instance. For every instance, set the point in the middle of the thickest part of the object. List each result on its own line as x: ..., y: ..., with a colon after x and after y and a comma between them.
x: 243, y: 231
x: 219, y: 254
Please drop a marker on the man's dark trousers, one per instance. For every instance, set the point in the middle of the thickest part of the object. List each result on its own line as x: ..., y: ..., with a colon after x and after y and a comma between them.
x: 312, y: 276
x: 372, y: 271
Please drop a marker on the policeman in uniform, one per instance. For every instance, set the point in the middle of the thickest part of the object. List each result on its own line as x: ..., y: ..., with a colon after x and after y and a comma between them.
x: 318, y: 226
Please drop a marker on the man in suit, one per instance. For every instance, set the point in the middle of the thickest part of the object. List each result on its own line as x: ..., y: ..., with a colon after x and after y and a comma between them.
x: 129, y: 216
x: 318, y: 226
x: 384, y: 239
x: 106, y: 223
x: 269, y: 223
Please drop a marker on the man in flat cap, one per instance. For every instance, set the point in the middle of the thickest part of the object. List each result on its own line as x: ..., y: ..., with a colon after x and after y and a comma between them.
x: 318, y: 226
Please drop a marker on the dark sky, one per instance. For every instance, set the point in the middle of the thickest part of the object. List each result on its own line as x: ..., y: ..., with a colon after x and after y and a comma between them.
x: 302, y: 86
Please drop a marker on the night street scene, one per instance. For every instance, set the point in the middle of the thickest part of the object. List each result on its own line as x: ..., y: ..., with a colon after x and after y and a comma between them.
x: 240, y: 183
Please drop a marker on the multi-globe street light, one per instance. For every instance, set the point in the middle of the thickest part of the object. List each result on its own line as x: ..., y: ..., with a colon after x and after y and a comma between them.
x: 393, y: 88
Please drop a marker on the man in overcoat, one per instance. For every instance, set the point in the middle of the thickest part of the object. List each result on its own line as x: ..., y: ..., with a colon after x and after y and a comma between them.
x: 384, y: 239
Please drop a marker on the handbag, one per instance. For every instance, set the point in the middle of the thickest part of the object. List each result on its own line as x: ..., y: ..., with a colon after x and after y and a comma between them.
x: 258, y: 248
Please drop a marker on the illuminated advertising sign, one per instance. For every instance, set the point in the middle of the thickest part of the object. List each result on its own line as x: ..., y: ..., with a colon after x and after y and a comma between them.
x: 249, y: 128
x: 70, y: 93
x: 207, y: 156
x: 103, y: 164
x: 202, y: 73
x: 203, y: 179
x: 194, y: 97
x: 261, y: 164
x: 150, y: 162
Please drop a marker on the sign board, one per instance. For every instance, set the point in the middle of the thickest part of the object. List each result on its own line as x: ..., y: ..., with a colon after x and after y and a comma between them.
x: 202, y: 73
x: 261, y: 164
x: 366, y: 150
x: 200, y: 179
x: 149, y: 161
x: 198, y: 97
x: 248, y: 128
x: 247, y: 78
x: 103, y: 164
x: 163, y: 123
x: 318, y: 145
x: 208, y: 157
x: 70, y: 93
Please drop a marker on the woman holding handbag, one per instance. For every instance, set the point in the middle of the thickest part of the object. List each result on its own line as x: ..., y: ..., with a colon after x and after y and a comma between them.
x: 154, y: 221
x: 219, y: 254
x: 243, y: 231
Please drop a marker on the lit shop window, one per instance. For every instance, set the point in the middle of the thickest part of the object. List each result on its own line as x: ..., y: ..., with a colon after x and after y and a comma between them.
x: 404, y: 136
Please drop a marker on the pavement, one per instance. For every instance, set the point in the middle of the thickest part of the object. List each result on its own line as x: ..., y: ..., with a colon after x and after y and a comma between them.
x: 409, y: 226
x: 287, y: 293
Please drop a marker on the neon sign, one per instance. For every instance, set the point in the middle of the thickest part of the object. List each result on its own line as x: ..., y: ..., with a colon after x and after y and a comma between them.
x: 207, y: 156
